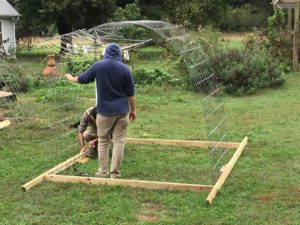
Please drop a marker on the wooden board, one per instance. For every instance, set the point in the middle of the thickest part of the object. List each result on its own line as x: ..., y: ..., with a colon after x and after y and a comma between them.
x: 64, y: 165
x: 182, y: 143
x: 4, y: 94
x: 226, y: 171
x: 275, y: 2
x: 8, y: 95
x: 50, y: 175
x: 83, y: 160
x: 4, y: 124
x: 131, y: 183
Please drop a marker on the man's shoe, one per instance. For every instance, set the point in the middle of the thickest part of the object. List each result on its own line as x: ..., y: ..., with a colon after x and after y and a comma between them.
x: 91, y: 153
x: 102, y: 175
x: 115, y: 176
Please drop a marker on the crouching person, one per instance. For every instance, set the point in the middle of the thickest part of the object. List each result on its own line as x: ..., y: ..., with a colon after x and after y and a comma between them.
x: 87, y: 132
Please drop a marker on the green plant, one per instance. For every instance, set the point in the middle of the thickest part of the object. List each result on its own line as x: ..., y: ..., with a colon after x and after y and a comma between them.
x: 77, y: 64
x: 12, y: 77
x: 276, y: 39
x: 151, y: 76
x: 150, y: 53
x: 208, y: 37
x: 245, y: 72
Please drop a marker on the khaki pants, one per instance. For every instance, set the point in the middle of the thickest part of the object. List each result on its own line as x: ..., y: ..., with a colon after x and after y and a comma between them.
x: 115, y: 125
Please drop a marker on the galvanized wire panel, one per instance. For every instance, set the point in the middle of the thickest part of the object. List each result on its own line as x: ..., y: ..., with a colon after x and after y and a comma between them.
x: 201, y: 73
x: 12, y: 104
x: 93, y: 42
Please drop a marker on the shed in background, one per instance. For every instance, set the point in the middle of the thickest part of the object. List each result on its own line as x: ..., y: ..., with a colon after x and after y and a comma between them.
x: 8, y: 17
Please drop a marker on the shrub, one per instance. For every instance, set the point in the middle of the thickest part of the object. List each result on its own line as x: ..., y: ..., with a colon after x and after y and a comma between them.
x: 12, y: 78
x: 245, y: 72
x: 151, y: 76
x: 277, y: 40
x: 77, y: 64
x: 208, y: 38
x: 150, y: 53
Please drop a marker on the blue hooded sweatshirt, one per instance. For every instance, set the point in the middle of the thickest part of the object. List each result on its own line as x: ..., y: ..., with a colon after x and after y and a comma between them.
x: 114, y: 82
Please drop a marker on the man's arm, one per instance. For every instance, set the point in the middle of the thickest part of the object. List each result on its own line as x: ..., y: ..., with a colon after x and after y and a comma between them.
x: 82, y: 127
x: 132, y: 115
x: 71, y: 78
x: 81, y: 141
x: 86, y: 77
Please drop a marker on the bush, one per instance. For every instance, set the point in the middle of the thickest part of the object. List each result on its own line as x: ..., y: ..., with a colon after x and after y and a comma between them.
x: 245, y: 72
x: 208, y: 38
x: 12, y: 78
x: 151, y: 76
x: 276, y: 39
x: 77, y: 64
x: 150, y: 53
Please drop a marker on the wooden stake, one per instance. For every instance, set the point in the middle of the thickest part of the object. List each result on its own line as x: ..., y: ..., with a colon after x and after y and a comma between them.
x: 226, y: 171
x: 296, y: 37
x: 131, y: 183
x: 290, y: 27
x: 181, y: 143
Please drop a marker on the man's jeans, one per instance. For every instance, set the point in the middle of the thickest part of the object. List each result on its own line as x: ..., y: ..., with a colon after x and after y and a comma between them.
x: 107, y: 125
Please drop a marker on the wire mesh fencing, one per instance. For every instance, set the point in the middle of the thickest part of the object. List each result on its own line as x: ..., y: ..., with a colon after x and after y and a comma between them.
x: 60, y: 104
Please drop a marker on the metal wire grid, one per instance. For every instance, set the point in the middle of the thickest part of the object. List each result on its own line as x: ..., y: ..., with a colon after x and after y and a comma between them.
x: 202, y: 75
x: 200, y: 71
x: 59, y: 108
x: 9, y: 109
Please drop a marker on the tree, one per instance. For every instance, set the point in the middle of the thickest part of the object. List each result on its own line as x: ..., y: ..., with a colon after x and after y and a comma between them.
x: 129, y: 12
x: 264, y: 5
x: 66, y: 15
x: 191, y: 13
x: 31, y: 22
x: 75, y: 14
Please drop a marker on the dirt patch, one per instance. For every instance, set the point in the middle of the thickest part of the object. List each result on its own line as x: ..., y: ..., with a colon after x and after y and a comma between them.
x: 150, y: 212
x: 265, y: 198
x: 148, y: 217
x: 295, y: 189
x: 151, y: 205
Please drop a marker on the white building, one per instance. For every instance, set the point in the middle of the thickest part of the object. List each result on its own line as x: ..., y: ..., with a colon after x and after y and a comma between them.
x: 8, y: 16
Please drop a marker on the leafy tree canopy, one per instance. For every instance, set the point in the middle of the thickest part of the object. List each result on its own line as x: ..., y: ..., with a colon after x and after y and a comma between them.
x: 45, y: 16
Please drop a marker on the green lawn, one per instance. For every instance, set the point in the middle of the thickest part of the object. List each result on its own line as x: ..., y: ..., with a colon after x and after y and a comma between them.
x: 263, y: 188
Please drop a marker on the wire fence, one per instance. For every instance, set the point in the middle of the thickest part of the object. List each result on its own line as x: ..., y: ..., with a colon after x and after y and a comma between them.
x: 62, y: 105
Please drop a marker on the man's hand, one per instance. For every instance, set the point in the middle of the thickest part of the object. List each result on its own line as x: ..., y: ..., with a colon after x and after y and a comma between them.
x: 93, y: 143
x: 132, y: 116
x: 71, y: 78
x: 82, y: 149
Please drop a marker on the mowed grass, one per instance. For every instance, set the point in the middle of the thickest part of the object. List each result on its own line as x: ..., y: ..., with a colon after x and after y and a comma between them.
x: 263, y: 188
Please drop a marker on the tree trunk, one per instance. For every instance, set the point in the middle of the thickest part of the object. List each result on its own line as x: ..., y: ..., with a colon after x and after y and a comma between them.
x: 64, y: 28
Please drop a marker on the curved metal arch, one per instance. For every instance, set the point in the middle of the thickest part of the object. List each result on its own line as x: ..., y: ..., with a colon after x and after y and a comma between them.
x: 200, y: 71
x: 199, y: 68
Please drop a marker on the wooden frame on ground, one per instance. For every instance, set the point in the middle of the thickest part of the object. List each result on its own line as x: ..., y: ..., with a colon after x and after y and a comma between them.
x: 51, y: 175
x: 4, y: 124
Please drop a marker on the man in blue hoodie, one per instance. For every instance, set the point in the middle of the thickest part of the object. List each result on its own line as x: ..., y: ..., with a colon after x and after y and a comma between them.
x: 115, y: 106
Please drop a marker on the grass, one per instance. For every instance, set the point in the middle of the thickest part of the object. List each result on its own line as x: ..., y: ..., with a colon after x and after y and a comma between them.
x: 263, y: 188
